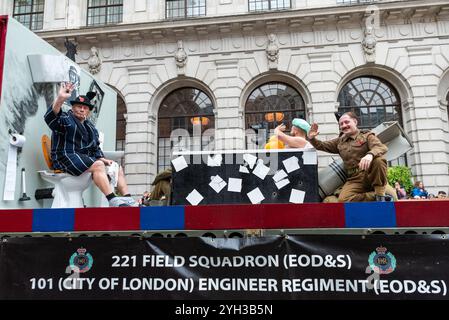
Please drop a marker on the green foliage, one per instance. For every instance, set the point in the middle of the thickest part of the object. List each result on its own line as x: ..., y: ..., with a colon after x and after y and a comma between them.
x: 403, y: 175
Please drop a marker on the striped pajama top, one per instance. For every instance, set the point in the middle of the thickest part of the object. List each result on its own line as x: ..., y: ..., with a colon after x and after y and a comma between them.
x: 75, y: 146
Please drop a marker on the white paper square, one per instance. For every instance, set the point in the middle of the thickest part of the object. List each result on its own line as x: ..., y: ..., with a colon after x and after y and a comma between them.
x: 297, y: 196
x: 255, y: 196
x: 179, y: 163
x: 214, y: 161
x: 243, y: 169
x: 217, y: 183
x: 250, y: 159
x: 282, y: 183
x: 309, y: 157
x: 217, y: 186
x: 216, y: 179
x: 194, y: 197
x: 261, y: 170
x: 291, y: 164
x: 234, y: 185
x: 278, y: 176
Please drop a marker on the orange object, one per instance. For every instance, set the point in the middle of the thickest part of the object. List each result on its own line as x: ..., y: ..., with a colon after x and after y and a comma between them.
x: 46, y: 149
x: 269, y: 117
x: 274, y: 143
x: 200, y: 120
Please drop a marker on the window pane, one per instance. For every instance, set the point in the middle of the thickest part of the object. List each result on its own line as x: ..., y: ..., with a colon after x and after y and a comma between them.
x: 98, y: 3
x: 268, y: 106
x: 259, y: 5
x: 37, y: 22
x: 183, y: 109
x: 22, y: 6
x: 175, y: 8
x: 38, y: 5
x: 102, y: 12
x: 185, y: 8
x: 196, y: 8
x: 29, y: 13
x: 279, y: 4
x: 371, y: 98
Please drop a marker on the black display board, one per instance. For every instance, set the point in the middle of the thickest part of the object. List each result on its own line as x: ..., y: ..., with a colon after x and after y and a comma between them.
x: 198, y: 173
x: 294, y: 267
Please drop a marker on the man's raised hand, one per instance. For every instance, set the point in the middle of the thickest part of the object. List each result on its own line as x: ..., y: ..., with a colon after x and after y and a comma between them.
x: 313, y: 132
x: 280, y: 127
x: 65, y: 90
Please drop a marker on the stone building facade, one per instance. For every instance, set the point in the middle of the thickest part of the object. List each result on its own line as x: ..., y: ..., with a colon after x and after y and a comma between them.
x: 229, y: 49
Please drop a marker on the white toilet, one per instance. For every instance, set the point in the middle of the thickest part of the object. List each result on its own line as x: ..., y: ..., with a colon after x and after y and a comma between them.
x: 68, y: 190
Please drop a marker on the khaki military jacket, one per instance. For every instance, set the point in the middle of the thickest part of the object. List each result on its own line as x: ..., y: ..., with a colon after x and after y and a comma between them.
x: 352, y: 150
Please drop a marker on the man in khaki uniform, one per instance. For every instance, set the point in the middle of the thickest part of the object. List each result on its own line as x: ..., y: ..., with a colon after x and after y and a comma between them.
x: 363, y: 157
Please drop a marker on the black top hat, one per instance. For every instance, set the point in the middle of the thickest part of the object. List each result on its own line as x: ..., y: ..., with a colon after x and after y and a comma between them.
x: 85, y: 100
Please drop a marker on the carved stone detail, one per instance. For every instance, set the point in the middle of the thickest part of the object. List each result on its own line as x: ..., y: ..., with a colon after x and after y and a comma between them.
x: 94, y: 61
x: 181, y: 58
x: 369, y: 43
x: 272, y: 51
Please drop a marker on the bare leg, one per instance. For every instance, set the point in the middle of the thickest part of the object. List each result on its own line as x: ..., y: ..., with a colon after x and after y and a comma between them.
x: 121, y: 183
x: 100, y: 177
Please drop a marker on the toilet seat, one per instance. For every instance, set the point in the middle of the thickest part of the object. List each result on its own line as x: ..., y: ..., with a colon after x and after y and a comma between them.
x: 68, y: 189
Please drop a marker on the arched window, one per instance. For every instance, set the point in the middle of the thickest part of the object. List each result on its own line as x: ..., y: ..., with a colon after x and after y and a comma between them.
x: 374, y: 101
x: 268, y: 106
x: 185, y: 109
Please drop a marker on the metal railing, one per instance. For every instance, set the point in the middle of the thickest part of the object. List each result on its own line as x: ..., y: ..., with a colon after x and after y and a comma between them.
x: 237, y: 233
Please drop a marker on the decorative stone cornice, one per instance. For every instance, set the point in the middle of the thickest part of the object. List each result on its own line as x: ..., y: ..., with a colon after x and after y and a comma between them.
x: 268, y: 21
x: 301, y: 33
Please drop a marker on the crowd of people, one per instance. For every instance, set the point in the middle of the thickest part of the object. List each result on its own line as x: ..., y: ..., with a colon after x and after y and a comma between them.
x: 418, y: 192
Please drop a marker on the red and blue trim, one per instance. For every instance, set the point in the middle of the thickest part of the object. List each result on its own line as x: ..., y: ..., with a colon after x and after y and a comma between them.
x: 401, y: 214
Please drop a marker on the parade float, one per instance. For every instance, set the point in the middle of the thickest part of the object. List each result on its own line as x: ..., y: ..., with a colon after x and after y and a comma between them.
x: 241, y: 224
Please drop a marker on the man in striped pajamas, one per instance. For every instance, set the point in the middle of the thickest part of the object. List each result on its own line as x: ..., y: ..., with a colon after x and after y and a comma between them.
x: 75, y: 145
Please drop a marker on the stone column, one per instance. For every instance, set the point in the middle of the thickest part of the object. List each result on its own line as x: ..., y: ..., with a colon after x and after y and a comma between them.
x: 429, y: 155
x: 227, y: 88
x: 140, y: 147
x: 322, y: 83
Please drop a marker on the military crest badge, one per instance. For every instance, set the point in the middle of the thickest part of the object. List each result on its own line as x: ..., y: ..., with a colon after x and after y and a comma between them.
x: 81, y: 261
x: 381, y: 261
